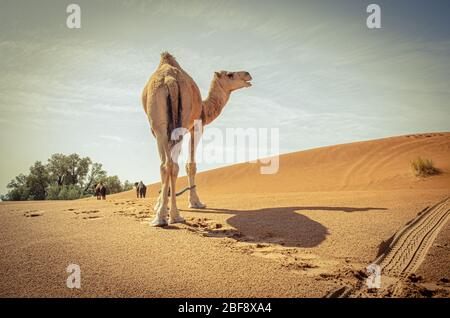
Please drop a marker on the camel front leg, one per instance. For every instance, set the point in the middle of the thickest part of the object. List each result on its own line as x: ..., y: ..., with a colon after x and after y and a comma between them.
x: 191, y: 170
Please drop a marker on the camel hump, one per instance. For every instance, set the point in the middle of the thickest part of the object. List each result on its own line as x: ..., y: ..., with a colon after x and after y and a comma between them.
x: 167, y: 58
x: 174, y: 106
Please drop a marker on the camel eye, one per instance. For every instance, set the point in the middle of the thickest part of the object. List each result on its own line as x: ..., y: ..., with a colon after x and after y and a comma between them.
x: 230, y: 75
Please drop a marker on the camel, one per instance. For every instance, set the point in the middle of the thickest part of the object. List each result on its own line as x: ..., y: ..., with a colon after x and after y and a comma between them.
x: 141, y: 189
x: 100, y: 191
x: 173, y: 104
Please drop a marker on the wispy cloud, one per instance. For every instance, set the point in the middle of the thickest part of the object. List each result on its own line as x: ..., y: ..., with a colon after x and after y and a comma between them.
x: 112, y: 138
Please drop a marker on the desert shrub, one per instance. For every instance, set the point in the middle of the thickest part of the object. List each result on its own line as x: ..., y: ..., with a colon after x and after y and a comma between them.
x: 70, y: 192
x: 112, y: 184
x: 423, y: 167
x: 17, y: 194
x: 127, y: 185
x: 53, y: 192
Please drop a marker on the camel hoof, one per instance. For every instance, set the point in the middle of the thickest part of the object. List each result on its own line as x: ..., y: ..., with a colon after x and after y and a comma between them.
x: 158, y: 223
x: 197, y: 205
x: 179, y: 219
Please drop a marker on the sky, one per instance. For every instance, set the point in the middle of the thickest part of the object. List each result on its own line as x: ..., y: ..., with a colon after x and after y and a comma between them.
x: 320, y: 76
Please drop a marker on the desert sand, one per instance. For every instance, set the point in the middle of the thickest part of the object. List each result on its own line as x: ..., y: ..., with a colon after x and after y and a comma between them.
x: 309, y: 230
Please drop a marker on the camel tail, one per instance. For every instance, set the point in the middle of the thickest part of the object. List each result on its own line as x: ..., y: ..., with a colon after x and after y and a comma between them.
x: 174, y: 106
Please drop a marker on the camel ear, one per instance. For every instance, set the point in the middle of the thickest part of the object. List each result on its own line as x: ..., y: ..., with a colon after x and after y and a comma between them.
x: 216, y: 74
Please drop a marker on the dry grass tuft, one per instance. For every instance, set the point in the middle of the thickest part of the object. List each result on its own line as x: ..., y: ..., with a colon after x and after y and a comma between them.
x: 423, y: 167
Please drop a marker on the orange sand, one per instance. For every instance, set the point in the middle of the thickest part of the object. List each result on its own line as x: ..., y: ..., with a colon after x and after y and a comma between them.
x: 302, y: 232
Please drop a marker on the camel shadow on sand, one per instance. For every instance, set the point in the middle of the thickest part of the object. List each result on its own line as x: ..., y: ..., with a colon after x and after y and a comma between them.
x: 279, y: 225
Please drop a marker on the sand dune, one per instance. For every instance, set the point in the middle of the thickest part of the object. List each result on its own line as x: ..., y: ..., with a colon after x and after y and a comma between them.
x: 382, y: 164
x: 307, y: 231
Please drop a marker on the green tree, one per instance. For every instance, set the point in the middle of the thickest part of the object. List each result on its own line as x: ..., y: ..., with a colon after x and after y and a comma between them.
x: 68, y: 170
x: 64, y: 177
x: 57, y: 167
x: 112, y: 184
x: 77, y: 169
x: 19, y: 190
x: 96, y: 174
x: 127, y: 185
x: 37, y: 181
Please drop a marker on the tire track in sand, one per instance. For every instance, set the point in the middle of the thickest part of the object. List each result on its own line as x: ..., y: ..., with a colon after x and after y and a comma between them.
x: 408, y: 248
x: 411, y: 244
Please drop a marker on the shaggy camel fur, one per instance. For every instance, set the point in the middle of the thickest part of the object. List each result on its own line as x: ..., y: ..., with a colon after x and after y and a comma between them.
x: 172, y: 100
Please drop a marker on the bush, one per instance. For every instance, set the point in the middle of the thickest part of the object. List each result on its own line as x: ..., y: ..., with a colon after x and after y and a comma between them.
x: 127, y: 185
x: 53, y: 192
x: 112, y: 184
x: 423, y: 167
x: 17, y: 194
x: 65, y: 192
x: 64, y: 177
x: 70, y: 192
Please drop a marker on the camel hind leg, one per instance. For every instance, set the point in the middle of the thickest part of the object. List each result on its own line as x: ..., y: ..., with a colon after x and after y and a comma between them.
x: 161, y: 206
x: 156, y: 108
x: 163, y: 111
x: 169, y: 172
x: 175, y: 216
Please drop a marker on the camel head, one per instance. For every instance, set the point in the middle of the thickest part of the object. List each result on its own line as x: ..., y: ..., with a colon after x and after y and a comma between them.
x: 233, y: 80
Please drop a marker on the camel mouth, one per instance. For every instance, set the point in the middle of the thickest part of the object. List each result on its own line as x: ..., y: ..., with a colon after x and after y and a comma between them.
x: 247, y: 80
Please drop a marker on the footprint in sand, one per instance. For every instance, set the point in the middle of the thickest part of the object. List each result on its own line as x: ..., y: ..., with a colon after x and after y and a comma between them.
x: 287, y: 257
x: 88, y: 214
x: 138, y: 213
x: 210, y: 228
x: 91, y: 217
x: 90, y: 211
x: 33, y: 213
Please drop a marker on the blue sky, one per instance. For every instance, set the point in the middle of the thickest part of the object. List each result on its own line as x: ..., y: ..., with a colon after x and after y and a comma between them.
x: 320, y: 75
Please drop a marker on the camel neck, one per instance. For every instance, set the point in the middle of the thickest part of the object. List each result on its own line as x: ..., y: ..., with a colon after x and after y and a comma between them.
x: 214, y: 102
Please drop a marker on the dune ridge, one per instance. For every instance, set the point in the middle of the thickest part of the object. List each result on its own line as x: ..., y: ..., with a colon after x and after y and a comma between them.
x: 381, y: 164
